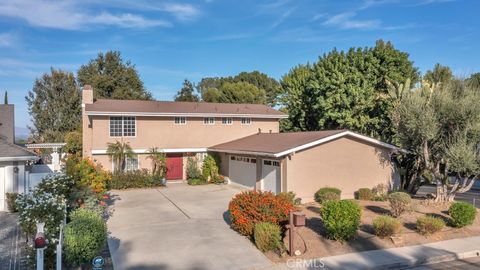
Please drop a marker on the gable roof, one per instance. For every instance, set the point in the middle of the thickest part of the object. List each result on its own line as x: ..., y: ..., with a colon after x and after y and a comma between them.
x: 172, y: 108
x: 281, y: 144
x: 12, y: 152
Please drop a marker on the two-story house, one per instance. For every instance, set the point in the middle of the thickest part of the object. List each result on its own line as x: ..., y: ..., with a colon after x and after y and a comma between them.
x: 180, y: 129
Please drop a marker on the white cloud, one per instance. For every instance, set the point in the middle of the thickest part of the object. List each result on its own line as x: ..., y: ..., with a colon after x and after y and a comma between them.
x: 282, y: 18
x: 347, y: 21
x: 77, y: 14
x: 228, y: 37
x: 6, y: 40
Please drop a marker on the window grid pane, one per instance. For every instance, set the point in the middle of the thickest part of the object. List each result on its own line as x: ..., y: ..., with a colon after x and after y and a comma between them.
x: 115, y: 126
x: 226, y: 120
x: 129, y: 126
x: 246, y: 121
x: 131, y: 164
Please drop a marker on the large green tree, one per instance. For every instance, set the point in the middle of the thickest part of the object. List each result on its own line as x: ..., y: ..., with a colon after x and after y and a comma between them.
x: 440, y: 126
x: 54, y: 106
x: 474, y: 80
x: 187, y: 93
x: 349, y: 90
x: 113, y: 78
x: 212, y: 89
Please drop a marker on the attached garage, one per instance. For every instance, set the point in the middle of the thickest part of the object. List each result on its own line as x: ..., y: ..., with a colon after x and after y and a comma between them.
x: 243, y: 170
x: 303, y: 162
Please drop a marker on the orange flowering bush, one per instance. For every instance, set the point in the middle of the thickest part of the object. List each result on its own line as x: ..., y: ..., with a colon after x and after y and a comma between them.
x: 88, y: 174
x: 251, y: 207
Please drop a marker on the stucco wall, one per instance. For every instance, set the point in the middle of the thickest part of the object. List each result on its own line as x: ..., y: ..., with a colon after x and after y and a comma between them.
x: 346, y: 163
x: 163, y: 133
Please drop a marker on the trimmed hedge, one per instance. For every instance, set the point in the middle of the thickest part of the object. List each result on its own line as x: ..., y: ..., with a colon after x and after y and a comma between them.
x: 251, y: 207
x: 462, y: 214
x: 85, y: 236
x: 427, y: 225
x: 385, y: 226
x: 267, y: 236
x: 399, y: 203
x: 365, y: 194
x: 341, y: 219
x: 134, y: 179
x: 327, y: 194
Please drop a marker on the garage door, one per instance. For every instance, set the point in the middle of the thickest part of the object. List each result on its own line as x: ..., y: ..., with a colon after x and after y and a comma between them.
x: 243, y: 170
x: 271, y: 176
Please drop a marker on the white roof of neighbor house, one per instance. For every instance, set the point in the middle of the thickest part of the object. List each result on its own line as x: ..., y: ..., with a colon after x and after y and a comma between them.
x: 281, y: 144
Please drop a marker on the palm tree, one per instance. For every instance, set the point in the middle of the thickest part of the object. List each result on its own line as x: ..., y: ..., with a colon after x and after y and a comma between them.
x: 158, y: 161
x: 119, y: 152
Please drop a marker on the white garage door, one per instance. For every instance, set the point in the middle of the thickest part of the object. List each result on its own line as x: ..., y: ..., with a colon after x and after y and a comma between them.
x: 243, y: 170
x: 271, y: 176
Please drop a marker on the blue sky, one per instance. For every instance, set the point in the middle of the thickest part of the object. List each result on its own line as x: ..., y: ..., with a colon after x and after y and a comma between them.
x: 169, y: 41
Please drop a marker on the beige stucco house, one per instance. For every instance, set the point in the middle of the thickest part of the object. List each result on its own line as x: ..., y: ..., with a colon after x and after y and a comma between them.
x: 245, y: 136
x: 180, y: 129
x: 303, y: 162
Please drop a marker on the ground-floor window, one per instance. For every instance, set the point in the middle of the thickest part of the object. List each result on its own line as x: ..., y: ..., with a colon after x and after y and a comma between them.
x: 131, y: 163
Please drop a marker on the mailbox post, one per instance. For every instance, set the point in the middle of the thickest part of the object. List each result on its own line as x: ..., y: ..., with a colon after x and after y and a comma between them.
x: 40, y: 243
x: 295, y: 219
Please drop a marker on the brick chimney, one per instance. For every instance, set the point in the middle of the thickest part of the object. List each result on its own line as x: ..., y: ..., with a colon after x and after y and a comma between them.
x: 87, y: 95
x: 7, y: 122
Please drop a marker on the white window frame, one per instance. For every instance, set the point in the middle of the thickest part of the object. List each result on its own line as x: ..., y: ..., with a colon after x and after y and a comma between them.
x: 126, y: 164
x: 180, y: 122
x: 246, y: 121
x: 209, y: 121
x: 225, y: 121
x: 122, y: 127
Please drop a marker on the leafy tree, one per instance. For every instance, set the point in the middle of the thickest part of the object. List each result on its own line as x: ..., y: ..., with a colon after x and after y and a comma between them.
x: 54, y: 106
x: 440, y: 126
x: 112, y: 78
x: 118, y: 153
x: 439, y: 74
x: 187, y: 92
x: 74, y: 144
x: 5, y: 98
x: 241, y: 92
x: 262, y: 81
x: 351, y: 90
x: 213, y: 89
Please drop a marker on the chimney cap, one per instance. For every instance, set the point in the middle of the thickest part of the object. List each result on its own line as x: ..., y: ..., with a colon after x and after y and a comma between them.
x: 87, y: 87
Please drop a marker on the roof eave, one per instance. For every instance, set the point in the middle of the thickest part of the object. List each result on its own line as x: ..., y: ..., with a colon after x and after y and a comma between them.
x: 19, y: 158
x: 106, y: 113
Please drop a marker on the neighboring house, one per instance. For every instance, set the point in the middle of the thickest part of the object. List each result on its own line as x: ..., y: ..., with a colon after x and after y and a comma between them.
x: 303, y: 162
x: 13, y: 158
x: 180, y: 129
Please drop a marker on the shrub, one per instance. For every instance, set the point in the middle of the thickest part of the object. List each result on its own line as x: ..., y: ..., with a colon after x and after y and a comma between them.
x: 134, y: 179
x: 209, y: 168
x: 326, y: 194
x: 427, y: 225
x: 341, y: 219
x: 251, y: 207
x: 85, y: 236
x: 385, y: 226
x: 217, y: 179
x: 193, y: 172
x: 462, y: 214
x: 365, y: 194
x: 380, y: 192
x: 196, y: 181
x: 287, y: 197
x: 399, y: 203
x: 86, y: 173
x: 11, y: 201
x: 267, y: 236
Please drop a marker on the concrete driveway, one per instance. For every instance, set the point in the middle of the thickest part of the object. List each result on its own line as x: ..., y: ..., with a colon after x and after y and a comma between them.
x: 178, y: 227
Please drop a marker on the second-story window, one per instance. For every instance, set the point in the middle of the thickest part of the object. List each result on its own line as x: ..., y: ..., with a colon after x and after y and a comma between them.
x: 246, y: 121
x: 227, y: 121
x: 209, y: 121
x: 122, y: 126
x: 180, y: 120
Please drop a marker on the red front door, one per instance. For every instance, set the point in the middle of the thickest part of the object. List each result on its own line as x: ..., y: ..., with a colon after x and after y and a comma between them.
x: 174, y: 167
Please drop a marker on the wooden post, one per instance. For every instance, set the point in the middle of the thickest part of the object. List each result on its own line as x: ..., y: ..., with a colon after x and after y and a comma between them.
x: 291, y: 238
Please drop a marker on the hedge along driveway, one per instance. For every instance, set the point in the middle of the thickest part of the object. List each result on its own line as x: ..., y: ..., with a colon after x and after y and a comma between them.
x: 178, y: 227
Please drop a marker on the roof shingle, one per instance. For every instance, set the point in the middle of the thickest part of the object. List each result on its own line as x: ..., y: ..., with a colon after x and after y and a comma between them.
x: 8, y: 150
